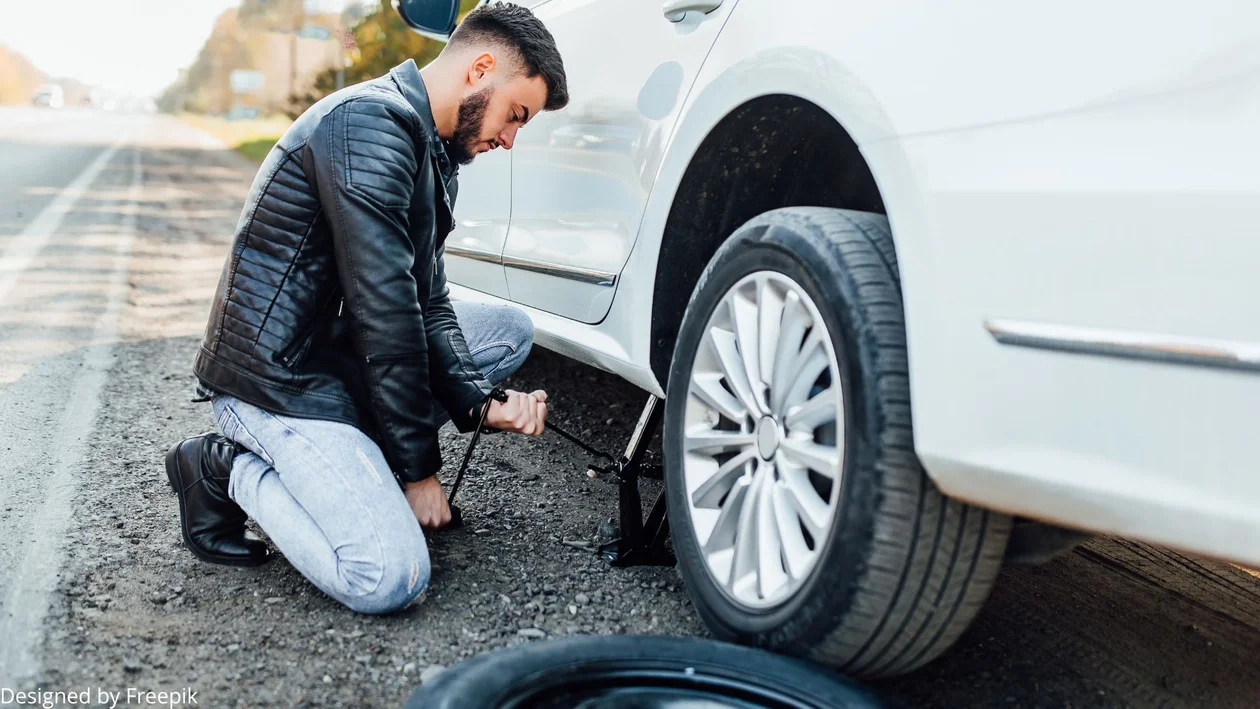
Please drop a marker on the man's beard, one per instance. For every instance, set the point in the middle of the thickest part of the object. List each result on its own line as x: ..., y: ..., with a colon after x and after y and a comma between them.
x: 462, y: 147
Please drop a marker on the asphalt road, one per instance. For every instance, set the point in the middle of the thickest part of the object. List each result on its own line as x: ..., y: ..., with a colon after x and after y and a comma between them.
x: 112, y: 232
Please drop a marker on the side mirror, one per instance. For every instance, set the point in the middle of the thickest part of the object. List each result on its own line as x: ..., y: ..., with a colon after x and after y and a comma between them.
x: 432, y: 18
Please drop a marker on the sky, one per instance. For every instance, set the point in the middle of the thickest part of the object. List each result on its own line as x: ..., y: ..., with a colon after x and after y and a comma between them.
x: 136, y: 46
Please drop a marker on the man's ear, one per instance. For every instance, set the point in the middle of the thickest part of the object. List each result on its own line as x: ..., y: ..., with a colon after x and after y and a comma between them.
x: 481, y: 65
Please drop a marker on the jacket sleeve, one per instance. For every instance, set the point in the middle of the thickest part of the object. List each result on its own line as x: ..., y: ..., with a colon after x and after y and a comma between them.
x: 366, y: 164
x: 459, y: 385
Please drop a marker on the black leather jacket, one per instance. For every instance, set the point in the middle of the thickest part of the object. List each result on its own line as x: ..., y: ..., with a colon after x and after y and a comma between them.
x: 333, y: 301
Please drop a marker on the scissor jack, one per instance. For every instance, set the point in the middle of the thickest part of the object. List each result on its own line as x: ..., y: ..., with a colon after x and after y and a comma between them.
x: 641, y: 543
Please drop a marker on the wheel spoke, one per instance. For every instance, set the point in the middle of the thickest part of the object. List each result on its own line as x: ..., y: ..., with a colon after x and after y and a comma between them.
x: 824, y: 460
x: 708, y: 388
x: 706, y: 440
x: 795, y: 322
x: 813, y: 509
x: 733, y: 367
x: 745, y: 562
x: 724, y: 530
x: 808, y: 368
x: 744, y: 315
x: 770, y: 573
x: 808, y: 416
x: 770, y: 317
x: 796, y: 553
x: 710, y: 493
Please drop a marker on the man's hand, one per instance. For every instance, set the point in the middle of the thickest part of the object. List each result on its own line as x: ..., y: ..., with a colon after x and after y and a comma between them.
x: 522, y: 413
x: 428, y: 503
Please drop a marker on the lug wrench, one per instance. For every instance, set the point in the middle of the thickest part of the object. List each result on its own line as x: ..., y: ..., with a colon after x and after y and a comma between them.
x: 457, y: 517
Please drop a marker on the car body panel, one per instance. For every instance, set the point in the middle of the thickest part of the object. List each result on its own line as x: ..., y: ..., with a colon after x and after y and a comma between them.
x: 482, y: 209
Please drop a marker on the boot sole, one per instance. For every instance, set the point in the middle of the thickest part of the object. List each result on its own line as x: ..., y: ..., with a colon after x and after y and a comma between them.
x: 174, y: 476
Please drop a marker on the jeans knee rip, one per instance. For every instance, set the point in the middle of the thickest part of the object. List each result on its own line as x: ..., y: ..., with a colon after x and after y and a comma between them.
x: 415, y: 575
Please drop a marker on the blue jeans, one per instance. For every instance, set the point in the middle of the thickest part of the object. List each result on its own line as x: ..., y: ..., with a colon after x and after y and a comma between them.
x: 324, y: 494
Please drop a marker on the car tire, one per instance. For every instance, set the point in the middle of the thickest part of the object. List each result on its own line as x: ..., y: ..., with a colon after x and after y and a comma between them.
x: 624, y: 672
x: 900, y: 570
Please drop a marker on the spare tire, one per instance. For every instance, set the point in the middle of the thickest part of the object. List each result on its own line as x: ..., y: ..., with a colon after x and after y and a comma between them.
x: 643, y: 672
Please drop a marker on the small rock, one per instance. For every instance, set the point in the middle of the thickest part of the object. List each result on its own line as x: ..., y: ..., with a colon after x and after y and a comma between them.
x: 272, y: 599
x: 233, y: 647
x: 362, y: 659
x: 327, y: 679
x: 430, y: 672
x: 582, y: 599
x: 572, y: 609
x: 409, y: 668
x: 132, y: 666
x: 534, y: 633
x: 483, y: 530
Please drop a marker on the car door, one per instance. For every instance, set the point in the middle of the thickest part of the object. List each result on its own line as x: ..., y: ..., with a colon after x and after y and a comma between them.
x: 582, y: 176
x: 482, y: 209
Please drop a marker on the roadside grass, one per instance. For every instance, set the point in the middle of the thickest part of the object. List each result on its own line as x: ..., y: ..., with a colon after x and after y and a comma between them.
x: 252, y: 137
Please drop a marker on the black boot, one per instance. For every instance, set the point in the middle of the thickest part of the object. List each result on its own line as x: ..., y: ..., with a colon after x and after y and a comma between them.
x: 213, y: 525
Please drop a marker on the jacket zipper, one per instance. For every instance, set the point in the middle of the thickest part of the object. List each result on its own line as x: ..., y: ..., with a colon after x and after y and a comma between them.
x: 385, y: 359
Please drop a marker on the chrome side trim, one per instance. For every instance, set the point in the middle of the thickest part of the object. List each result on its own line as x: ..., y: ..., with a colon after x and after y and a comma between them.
x: 1127, y: 344
x: 473, y: 254
x: 571, y: 273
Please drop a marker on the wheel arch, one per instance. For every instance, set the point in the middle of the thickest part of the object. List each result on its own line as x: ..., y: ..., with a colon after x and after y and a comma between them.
x: 771, y: 150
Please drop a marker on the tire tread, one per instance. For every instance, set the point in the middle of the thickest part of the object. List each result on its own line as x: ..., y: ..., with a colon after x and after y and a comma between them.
x: 950, y: 551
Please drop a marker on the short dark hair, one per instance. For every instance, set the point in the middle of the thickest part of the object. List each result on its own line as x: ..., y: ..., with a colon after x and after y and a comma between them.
x: 516, y: 28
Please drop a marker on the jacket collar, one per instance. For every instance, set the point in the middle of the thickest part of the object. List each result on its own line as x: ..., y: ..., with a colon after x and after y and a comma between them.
x: 411, y: 84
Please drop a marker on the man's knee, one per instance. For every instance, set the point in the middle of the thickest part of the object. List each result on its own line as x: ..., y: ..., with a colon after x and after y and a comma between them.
x: 521, y: 332
x: 404, y: 576
x: 521, y: 327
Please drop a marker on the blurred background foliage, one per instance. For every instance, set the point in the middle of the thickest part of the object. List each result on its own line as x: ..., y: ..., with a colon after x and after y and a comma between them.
x: 18, y: 77
x: 304, y: 56
x: 380, y: 42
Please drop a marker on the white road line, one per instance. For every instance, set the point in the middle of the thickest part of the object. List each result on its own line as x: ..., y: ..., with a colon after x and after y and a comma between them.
x: 24, y: 611
x: 27, y: 245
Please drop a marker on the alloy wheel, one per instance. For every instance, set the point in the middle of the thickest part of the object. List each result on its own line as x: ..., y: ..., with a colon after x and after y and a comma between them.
x: 764, y: 440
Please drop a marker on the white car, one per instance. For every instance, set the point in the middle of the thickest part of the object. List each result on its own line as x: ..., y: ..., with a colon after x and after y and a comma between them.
x: 908, y: 274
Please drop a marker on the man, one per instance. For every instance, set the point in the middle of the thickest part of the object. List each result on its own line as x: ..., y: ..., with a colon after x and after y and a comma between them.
x: 333, y: 353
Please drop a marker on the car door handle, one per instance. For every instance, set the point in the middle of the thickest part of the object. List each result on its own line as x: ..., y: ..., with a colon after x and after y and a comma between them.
x: 675, y: 9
